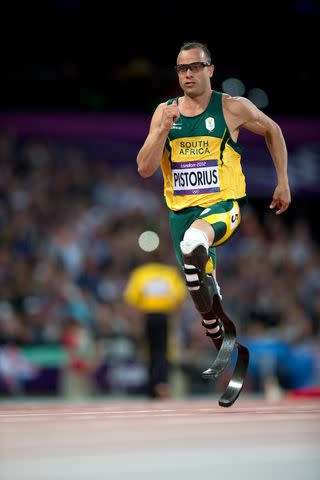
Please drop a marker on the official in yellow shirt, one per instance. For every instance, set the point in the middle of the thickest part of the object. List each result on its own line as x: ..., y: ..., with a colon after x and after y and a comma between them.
x: 157, y: 290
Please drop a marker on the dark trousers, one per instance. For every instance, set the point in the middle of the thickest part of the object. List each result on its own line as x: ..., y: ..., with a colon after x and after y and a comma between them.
x: 156, y: 330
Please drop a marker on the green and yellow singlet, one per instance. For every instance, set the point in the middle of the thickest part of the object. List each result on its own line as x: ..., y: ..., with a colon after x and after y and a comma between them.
x: 201, y: 163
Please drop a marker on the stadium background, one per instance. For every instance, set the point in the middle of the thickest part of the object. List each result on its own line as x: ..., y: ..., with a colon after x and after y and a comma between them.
x: 75, y: 101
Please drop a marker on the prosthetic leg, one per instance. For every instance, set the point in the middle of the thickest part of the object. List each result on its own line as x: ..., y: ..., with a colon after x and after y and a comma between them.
x: 223, y: 358
x: 205, y: 294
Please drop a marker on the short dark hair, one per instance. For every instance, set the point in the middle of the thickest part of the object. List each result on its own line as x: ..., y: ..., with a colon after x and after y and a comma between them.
x: 202, y: 46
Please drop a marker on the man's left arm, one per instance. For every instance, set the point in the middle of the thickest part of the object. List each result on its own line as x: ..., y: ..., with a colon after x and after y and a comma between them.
x: 253, y: 119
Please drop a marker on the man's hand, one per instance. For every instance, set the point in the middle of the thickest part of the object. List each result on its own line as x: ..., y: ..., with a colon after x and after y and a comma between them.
x: 281, y: 198
x: 170, y: 114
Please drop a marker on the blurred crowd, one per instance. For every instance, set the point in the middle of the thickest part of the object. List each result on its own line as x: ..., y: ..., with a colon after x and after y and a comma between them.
x: 70, y: 223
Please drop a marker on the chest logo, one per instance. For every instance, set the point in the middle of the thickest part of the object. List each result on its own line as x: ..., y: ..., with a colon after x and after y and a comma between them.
x: 210, y: 124
x: 177, y: 125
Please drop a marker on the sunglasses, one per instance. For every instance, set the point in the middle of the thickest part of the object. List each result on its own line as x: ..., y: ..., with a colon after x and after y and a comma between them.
x: 194, y: 67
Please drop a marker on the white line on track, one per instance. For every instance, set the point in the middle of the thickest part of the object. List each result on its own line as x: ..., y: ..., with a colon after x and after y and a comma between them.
x: 277, y: 411
x: 131, y: 415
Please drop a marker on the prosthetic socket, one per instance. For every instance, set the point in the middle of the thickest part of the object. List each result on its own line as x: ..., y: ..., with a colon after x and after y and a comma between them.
x: 201, y: 285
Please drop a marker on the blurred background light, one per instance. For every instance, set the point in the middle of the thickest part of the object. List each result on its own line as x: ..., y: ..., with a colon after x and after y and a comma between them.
x: 149, y: 241
x: 234, y: 87
x: 258, y: 97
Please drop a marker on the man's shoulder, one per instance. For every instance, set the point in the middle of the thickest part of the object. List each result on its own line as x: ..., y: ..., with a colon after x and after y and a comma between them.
x: 235, y: 105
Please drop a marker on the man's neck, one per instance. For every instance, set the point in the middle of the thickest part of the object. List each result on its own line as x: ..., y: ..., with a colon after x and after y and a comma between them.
x: 194, y: 105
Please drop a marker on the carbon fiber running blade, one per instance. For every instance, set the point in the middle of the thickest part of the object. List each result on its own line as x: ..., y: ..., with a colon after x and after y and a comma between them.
x: 224, y: 355
x: 235, y: 385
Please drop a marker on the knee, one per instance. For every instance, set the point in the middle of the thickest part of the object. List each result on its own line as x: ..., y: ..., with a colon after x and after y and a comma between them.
x: 193, y: 237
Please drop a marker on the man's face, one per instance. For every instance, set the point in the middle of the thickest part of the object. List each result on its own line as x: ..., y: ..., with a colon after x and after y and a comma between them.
x: 195, y: 80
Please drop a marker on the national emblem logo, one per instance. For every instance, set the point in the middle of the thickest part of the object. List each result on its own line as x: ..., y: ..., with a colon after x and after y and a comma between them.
x: 210, y: 124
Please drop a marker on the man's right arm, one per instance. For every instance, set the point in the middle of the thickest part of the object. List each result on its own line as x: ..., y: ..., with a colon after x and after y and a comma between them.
x: 149, y: 157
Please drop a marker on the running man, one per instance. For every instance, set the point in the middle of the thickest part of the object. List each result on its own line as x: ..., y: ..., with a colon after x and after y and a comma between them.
x: 194, y: 139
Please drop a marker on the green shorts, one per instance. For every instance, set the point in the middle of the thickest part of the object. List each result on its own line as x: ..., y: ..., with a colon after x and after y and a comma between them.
x: 224, y: 217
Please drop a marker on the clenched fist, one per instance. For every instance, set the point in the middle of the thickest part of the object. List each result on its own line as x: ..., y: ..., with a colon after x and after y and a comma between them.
x: 170, y: 114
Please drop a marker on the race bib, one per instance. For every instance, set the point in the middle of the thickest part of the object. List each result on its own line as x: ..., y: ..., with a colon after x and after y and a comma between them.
x: 195, y: 178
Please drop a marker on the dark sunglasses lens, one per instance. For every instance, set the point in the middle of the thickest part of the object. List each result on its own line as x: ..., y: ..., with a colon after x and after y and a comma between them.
x: 194, y: 67
x: 182, y: 68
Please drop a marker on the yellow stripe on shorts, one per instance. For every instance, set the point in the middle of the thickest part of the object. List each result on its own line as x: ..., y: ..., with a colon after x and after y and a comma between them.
x: 231, y: 219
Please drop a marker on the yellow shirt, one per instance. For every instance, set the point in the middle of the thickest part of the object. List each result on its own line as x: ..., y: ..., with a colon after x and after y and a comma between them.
x: 155, y: 287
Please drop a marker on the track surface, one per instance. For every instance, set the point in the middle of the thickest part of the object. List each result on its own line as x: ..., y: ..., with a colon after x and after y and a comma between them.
x: 167, y: 440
